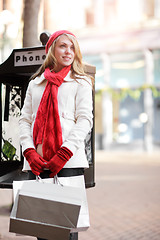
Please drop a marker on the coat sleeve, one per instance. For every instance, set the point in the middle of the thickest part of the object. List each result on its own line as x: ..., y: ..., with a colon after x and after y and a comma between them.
x: 84, y: 116
x: 25, y: 121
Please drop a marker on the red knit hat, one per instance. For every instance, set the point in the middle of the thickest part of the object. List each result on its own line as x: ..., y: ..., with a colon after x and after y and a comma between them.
x: 54, y: 36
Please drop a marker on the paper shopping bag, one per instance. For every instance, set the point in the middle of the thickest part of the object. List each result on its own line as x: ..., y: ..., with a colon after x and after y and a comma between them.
x: 54, y: 206
x: 83, y: 219
x: 37, y: 229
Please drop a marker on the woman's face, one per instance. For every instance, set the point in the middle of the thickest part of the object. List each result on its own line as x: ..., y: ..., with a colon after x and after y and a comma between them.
x: 64, y: 52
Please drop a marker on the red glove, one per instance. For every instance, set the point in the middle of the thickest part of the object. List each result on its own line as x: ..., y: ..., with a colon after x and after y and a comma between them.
x: 36, y: 162
x: 59, y: 160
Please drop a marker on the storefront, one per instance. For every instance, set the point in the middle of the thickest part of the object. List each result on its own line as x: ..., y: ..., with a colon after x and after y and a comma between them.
x: 127, y: 99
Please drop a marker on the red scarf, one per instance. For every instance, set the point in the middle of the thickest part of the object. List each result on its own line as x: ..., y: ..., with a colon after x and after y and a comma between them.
x: 47, y: 126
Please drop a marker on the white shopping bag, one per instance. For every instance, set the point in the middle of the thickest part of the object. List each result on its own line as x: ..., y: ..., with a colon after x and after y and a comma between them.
x: 83, y: 219
x: 45, y: 210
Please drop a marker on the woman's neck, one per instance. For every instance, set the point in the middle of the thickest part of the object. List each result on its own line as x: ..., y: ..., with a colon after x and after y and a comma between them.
x: 58, y: 68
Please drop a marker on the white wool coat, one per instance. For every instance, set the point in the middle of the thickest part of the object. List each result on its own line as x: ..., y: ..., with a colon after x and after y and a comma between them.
x: 75, y: 110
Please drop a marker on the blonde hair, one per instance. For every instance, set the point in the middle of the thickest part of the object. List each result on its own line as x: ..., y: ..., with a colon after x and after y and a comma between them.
x: 77, y: 67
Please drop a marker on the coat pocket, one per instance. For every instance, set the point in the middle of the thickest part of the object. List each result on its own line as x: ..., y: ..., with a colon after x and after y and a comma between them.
x: 67, y: 122
x: 68, y: 115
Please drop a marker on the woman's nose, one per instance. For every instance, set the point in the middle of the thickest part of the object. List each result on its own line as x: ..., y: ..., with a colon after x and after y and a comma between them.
x: 68, y: 50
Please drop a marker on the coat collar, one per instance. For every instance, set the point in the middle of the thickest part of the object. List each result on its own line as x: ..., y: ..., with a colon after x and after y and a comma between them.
x: 40, y: 79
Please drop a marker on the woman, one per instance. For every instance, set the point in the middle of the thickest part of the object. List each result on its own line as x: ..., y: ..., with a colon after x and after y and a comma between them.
x: 57, y: 112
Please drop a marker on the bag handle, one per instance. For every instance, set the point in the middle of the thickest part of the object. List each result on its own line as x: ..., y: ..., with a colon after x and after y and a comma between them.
x: 55, y: 180
x: 39, y: 179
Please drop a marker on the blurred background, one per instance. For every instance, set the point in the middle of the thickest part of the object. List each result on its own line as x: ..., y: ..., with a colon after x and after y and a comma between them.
x: 120, y: 38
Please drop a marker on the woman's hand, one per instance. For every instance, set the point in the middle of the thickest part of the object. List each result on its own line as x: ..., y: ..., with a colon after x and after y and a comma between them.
x: 59, y: 160
x: 36, y: 162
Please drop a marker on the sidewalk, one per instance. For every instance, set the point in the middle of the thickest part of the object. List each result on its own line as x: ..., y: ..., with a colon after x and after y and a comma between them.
x: 124, y: 205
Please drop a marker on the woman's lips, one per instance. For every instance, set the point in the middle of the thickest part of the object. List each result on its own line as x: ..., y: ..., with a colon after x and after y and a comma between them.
x: 66, y: 58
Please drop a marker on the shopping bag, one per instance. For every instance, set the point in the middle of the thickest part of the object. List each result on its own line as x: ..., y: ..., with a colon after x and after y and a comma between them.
x: 83, y: 219
x: 37, y: 229
x: 45, y: 210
